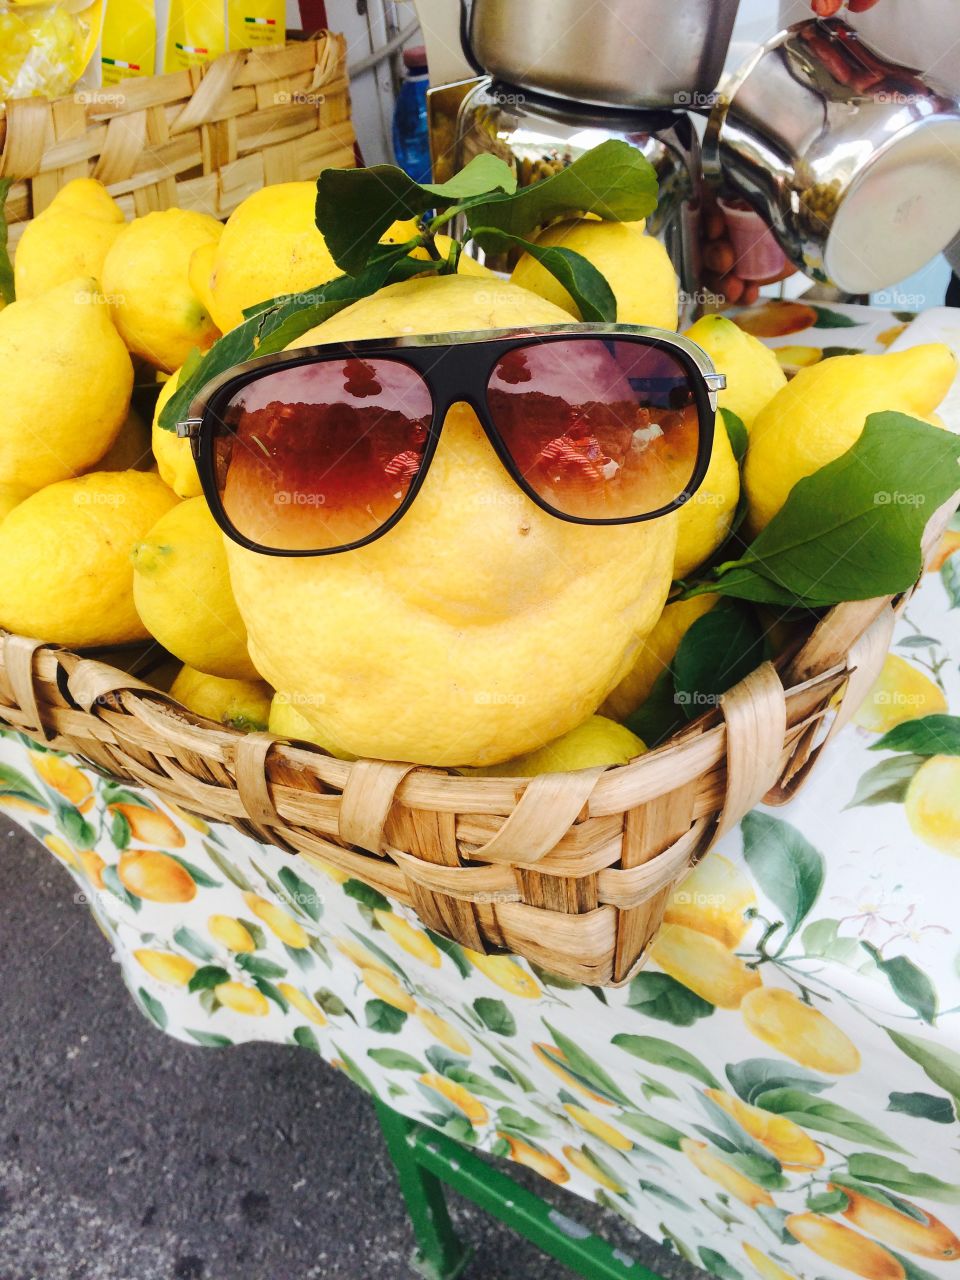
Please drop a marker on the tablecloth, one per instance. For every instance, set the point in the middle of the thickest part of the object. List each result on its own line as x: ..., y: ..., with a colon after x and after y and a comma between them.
x: 776, y: 1092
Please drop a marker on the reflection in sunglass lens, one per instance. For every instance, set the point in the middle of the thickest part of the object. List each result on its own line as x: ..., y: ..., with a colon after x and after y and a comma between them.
x: 598, y: 428
x: 321, y: 455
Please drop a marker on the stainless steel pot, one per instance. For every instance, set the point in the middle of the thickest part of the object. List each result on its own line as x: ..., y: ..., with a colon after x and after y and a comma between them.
x: 626, y: 53
x: 854, y: 160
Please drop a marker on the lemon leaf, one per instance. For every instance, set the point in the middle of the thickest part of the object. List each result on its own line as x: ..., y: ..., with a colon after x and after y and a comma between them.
x: 586, y: 1068
x: 153, y: 1008
x: 395, y: 1060
x: 652, y: 1128
x: 811, y: 1112
x: 7, y: 292
x: 922, y: 1106
x: 784, y: 864
x: 657, y: 995
x: 495, y: 1016
x: 665, y: 1054
x: 898, y: 1178
x: 937, y: 735
x: 383, y: 1017
x: 755, y: 1076
x: 719, y: 650
x: 586, y: 285
x: 717, y: 1264
x: 207, y: 977
x: 910, y: 984
x: 887, y: 782
x: 736, y: 433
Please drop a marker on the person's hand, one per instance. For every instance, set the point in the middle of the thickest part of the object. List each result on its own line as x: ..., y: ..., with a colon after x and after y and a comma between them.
x: 720, y: 273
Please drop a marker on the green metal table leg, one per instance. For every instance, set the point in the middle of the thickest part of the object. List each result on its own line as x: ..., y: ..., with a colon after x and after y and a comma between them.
x: 440, y: 1255
x: 427, y: 1160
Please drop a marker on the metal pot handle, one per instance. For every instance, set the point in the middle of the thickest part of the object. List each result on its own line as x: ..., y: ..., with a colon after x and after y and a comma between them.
x: 466, y: 14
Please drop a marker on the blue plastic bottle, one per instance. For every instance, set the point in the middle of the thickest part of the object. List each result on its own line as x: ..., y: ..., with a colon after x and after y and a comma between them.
x: 411, y: 143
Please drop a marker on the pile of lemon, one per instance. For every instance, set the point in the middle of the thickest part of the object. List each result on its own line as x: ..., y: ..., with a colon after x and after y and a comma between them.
x: 480, y: 632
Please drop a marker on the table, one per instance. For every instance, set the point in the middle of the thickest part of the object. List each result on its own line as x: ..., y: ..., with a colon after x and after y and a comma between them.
x: 775, y: 1093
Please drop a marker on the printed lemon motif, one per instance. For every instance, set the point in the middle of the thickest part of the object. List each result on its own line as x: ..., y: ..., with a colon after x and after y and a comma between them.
x: 949, y: 544
x: 798, y: 357
x: 243, y: 999
x: 358, y: 954
x: 900, y: 693
x: 836, y: 1243
x: 713, y: 899
x: 443, y: 1031
x: 732, y: 1180
x: 414, y: 941
x: 93, y: 866
x: 191, y: 819
x: 781, y: 1020
x: 583, y: 1161
x: 166, y: 967
x: 704, y: 965
x: 231, y: 934
x: 598, y: 1128
x: 546, y: 1165
x: 305, y: 1005
x: 386, y: 987
x: 278, y: 921
x: 505, y: 973
x: 765, y: 1267
x: 554, y: 1060
x: 792, y: 1146
x: 150, y: 826
x: 932, y: 803
x: 457, y: 1095
x: 64, y: 778
x: 156, y: 876
x: 62, y: 850
x: 929, y: 1239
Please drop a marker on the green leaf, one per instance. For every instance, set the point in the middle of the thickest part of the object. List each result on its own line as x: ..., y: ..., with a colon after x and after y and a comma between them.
x: 886, y: 782
x: 580, y: 1062
x: 119, y: 831
x: 853, y: 529
x: 384, y: 1017
x: 872, y: 1192
x: 396, y: 1060
x: 271, y: 992
x: 588, y: 287
x: 209, y: 1002
x: 821, y: 938
x: 736, y: 433
x: 367, y: 895
x: 302, y: 957
x: 207, y: 977
x: 7, y: 294
x: 937, y: 735
x: 306, y: 1038
x: 75, y: 827
x: 113, y: 882
x: 755, y: 1076
x: 476, y: 1084
x: 554, y: 979
x: 776, y: 1220
x: 736, y: 1134
x: 260, y: 966
x: 717, y: 1264
x: 763, y: 1170
x: 302, y: 894
x: 657, y: 995
x: 651, y: 1127
x: 900, y: 1179
x: 200, y: 876
x: 811, y: 1112
x: 827, y: 319
x: 513, y: 1121
x: 612, y: 180
x: 659, y: 717
x: 153, y: 1008
x: 656, y: 1089
x: 16, y: 786
x: 784, y: 864
x: 192, y: 942
x: 354, y: 1073
x: 495, y: 1016
x: 330, y: 1002
x: 828, y: 1202
x: 910, y: 984
x: 663, y: 1053
x: 355, y: 207
x: 720, y: 649
x: 938, y: 1063
x: 453, y: 950
x: 226, y: 867
x: 923, y: 1106
x: 378, y: 951
x: 950, y: 577
x: 209, y: 1039
x: 651, y: 1189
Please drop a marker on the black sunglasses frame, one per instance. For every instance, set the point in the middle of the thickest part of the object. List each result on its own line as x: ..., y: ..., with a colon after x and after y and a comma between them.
x: 456, y: 367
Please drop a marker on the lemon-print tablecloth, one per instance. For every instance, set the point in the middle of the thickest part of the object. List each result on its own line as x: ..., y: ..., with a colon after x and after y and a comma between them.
x: 775, y: 1094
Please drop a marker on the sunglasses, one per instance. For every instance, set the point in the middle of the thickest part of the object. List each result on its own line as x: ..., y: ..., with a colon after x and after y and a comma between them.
x: 321, y: 450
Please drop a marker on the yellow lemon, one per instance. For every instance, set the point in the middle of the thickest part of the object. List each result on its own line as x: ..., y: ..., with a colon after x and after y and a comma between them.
x: 359, y: 955
x: 582, y: 1160
x: 443, y: 1031
x: 65, y: 383
x: 146, y: 278
x: 900, y: 693
x: 150, y: 826
x: 546, y: 1165
x: 598, y: 1128
x: 713, y: 899
x: 64, y: 777
x: 303, y: 1003
x: 93, y: 866
x: 65, y: 570
x: 555, y: 1060
x: 452, y: 663
x: 156, y: 876
x: 704, y: 965
x: 131, y: 450
x: 598, y: 741
x: 765, y: 1267
x: 278, y: 921
x: 929, y: 1237
x: 200, y: 273
x: 798, y: 357
x: 705, y: 520
x: 270, y: 245
x: 181, y: 587
x: 655, y: 654
x: 753, y: 374
x: 401, y: 231
x: 11, y: 495
x: 819, y: 414
x: 173, y: 454
x: 62, y: 850
x: 231, y: 934
x: 414, y: 941
x: 781, y: 1020
x: 387, y: 988
x: 836, y: 1243
x: 636, y: 266
x: 69, y: 238
x: 287, y: 722
x: 932, y: 803
x: 505, y: 973
x: 734, y: 1182
x: 243, y: 999
x: 165, y: 966
x: 456, y: 1094
x: 794, y: 1148
x: 240, y: 704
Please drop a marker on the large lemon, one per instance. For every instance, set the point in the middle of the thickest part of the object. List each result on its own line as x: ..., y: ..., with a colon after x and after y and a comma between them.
x: 181, y: 587
x: 479, y: 627
x: 636, y: 266
x: 704, y: 965
x: 146, y: 279
x: 69, y: 238
x: 173, y: 454
x: 848, y: 1249
x: 901, y: 692
x: 65, y: 383
x: 821, y: 413
x: 287, y: 722
x: 65, y: 570
x: 932, y: 803
x: 598, y: 741
x: 713, y: 899
x: 781, y: 1020
x: 655, y: 655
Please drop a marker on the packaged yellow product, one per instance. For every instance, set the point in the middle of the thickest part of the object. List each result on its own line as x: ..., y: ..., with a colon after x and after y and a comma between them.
x: 252, y: 24
x: 129, y: 43
x: 45, y: 48
x: 195, y: 33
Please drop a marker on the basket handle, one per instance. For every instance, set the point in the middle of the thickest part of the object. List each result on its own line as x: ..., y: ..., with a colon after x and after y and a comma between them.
x: 755, y: 711
x: 19, y: 654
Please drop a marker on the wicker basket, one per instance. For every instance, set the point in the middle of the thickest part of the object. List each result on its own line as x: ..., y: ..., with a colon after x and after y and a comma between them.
x: 203, y: 139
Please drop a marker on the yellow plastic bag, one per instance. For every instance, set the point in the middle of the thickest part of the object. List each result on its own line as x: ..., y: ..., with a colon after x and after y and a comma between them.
x: 45, y: 48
